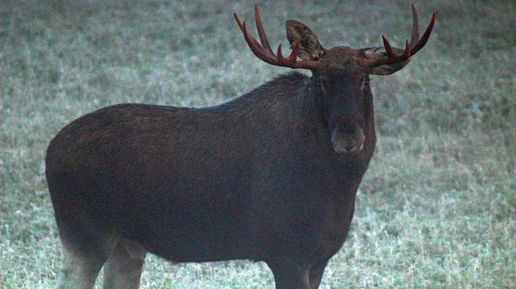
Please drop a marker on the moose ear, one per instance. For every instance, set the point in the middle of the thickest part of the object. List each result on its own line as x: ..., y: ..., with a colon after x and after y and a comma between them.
x: 310, y: 48
x: 386, y: 69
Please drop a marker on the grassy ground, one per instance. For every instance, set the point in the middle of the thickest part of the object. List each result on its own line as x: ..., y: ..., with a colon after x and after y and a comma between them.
x: 437, y: 207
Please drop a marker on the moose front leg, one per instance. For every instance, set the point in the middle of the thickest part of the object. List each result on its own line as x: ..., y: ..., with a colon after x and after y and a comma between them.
x: 316, y: 274
x: 289, y: 273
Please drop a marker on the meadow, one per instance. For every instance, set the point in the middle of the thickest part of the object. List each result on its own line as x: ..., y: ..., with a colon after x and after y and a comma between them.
x: 437, y: 207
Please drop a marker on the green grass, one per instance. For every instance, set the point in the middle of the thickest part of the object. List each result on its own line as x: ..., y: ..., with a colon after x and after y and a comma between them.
x: 437, y: 208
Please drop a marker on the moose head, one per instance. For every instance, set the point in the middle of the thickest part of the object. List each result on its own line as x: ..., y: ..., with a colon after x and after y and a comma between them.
x: 341, y: 74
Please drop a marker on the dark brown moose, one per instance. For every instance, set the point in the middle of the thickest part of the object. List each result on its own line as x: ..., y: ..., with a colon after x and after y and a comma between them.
x: 268, y: 176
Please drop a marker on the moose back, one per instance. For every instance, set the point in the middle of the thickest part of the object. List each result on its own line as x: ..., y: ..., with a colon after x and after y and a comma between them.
x: 268, y: 176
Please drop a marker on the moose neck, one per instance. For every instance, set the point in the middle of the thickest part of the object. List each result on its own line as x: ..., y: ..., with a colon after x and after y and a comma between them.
x: 369, y: 129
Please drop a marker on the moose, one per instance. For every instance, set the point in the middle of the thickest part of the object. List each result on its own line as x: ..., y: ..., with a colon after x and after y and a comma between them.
x: 268, y: 176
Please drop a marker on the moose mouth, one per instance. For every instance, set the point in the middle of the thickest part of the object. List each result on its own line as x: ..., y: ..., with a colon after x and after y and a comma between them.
x: 347, y: 143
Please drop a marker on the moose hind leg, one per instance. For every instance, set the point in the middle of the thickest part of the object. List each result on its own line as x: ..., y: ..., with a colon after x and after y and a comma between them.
x: 79, y: 271
x: 86, y: 249
x: 124, y: 267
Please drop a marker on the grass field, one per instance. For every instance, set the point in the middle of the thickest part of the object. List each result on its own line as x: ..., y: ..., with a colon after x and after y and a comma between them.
x: 437, y: 208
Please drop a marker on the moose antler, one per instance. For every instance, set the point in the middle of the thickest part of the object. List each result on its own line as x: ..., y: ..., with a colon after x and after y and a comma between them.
x: 264, y: 50
x: 415, y: 45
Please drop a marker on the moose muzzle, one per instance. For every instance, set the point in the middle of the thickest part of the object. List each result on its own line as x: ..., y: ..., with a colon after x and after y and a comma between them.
x: 348, y: 143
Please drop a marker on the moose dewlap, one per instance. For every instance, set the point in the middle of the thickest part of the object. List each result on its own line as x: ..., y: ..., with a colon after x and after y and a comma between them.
x: 268, y: 176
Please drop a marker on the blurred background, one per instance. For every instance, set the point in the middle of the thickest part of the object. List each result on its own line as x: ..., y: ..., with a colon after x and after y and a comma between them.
x: 437, y: 207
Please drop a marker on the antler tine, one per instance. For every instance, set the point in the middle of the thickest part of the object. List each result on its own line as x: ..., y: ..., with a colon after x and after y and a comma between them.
x: 424, y: 39
x: 289, y: 61
x: 261, y: 30
x: 264, y: 50
x: 415, y: 45
x: 415, y: 27
x: 393, y: 55
x: 256, y: 47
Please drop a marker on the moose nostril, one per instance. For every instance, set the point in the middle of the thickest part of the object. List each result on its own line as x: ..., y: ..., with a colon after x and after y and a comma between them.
x: 349, y: 148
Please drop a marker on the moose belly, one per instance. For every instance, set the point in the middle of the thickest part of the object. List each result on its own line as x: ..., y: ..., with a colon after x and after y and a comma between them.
x: 184, y: 221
